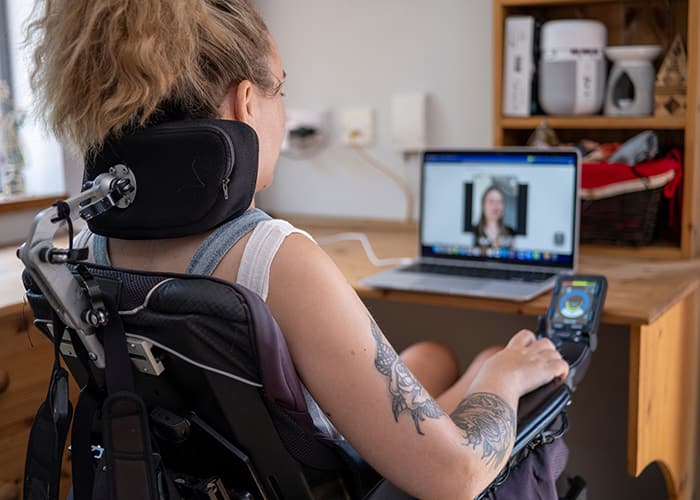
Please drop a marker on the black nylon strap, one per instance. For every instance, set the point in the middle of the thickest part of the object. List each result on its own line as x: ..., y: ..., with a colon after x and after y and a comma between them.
x: 47, y: 439
x: 118, y: 374
x: 129, y: 467
x: 130, y: 472
x: 83, y: 470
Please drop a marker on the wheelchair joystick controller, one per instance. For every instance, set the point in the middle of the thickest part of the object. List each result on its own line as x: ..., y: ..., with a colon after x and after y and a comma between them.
x: 571, y: 323
x: 572, y: 320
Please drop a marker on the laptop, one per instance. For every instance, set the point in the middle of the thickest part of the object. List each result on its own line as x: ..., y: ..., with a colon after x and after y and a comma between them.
x: 498, y: 223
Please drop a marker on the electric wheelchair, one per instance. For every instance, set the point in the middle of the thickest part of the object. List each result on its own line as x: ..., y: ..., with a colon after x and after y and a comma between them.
x: 187, y: 388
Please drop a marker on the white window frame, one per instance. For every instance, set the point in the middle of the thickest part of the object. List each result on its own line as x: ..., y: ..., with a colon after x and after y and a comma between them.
x: 43, y: 155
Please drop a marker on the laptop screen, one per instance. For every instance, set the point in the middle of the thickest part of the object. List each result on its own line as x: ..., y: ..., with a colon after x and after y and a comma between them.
x: 508, y: 206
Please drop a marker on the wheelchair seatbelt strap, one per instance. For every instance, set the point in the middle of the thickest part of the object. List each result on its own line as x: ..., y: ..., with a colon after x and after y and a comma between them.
x: 130, y: 468
x: 47, y: 439
x: 83, y: 470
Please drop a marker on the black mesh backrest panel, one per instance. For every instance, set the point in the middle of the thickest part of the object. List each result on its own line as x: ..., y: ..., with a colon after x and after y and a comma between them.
x: 211, y: 322
x: 214, y: 322
x: 204, y: 320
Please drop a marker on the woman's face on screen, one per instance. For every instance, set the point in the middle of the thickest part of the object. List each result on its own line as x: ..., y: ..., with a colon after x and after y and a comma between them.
x: 493, y: 206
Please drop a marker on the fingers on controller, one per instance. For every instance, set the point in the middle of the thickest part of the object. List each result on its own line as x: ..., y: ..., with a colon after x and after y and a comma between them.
x: 522, y: 338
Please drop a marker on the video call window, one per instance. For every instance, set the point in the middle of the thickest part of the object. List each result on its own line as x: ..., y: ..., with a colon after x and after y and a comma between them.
x: 513, y: 207
x: 495, y: 210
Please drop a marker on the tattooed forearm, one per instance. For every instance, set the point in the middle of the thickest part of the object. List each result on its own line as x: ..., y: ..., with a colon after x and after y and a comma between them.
x: 407, y: 395
x: 489, y: 422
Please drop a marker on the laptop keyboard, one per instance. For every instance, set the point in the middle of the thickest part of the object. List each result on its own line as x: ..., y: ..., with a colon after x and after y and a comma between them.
x: 476, y: 272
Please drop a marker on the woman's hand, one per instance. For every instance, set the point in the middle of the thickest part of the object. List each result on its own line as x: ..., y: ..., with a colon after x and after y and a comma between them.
x: 525, y: 364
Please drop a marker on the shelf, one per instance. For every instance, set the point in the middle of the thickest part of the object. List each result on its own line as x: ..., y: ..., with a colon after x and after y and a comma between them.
x: 596, y: 122
x: 534, y: 3
x: 649, y: 252
x: 627, y: 21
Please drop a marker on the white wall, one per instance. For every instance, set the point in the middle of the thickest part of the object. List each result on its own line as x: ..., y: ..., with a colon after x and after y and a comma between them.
x: 347, y: 53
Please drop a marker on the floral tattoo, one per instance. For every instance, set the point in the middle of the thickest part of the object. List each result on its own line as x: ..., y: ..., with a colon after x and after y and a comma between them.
x: 407, y: 395
x: 489, y: 422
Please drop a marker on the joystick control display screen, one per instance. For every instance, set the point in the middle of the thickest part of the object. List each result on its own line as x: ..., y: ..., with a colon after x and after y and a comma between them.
x: 575, y: 304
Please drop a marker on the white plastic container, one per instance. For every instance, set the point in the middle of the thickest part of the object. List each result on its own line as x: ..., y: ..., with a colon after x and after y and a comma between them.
x: 572, y: 67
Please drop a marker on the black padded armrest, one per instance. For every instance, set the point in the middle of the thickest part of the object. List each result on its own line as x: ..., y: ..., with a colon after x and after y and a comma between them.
x: 538, y: 409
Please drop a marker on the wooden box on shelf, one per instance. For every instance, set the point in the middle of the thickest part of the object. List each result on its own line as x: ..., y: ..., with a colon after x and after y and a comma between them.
x: 671, y: 88
x: 628, y: 22
x: 670, y: 102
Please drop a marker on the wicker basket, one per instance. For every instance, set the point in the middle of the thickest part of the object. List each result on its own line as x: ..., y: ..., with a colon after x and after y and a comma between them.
x: 626, y: 219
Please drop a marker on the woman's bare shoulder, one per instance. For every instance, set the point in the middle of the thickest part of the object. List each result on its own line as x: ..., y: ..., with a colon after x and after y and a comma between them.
x: 301, y: 263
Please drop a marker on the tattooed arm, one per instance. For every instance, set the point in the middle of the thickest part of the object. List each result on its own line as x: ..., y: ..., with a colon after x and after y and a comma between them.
x: 374, y: 400
x: 489, y: 426
x: 487, y: 421
x: 406, y: 393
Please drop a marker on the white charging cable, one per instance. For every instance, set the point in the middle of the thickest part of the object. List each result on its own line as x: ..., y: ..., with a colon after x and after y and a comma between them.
x: 366, y: 245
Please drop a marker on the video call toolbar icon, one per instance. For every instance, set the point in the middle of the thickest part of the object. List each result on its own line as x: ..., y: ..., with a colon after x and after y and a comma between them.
x: 494, y: 253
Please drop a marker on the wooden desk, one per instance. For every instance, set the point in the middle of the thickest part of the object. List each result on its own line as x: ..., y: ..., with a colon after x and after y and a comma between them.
x: 28, y: 358
x: 656, y: 301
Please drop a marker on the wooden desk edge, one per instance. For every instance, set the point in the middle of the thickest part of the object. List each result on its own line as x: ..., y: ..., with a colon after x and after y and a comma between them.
x: 13, y: 310
x: 532, y: 308
x: 352, y: 262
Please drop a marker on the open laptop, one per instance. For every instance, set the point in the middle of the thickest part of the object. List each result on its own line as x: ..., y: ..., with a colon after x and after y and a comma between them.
x: 499, y: 223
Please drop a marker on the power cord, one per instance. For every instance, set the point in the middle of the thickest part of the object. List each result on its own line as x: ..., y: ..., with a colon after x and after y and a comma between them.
x: 362, y: 153
x: 366, y: 246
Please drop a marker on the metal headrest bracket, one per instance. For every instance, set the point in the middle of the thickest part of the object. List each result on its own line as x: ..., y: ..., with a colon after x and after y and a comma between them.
x: 48, y: 265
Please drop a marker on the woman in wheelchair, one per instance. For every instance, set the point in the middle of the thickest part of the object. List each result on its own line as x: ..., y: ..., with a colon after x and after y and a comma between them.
x: 105, y: 69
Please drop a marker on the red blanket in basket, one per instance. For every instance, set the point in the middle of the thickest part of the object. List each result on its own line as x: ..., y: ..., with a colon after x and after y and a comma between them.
x: 602, y: 180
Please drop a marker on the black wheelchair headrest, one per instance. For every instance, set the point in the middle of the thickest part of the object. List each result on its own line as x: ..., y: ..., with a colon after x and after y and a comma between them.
x: 191, y: 176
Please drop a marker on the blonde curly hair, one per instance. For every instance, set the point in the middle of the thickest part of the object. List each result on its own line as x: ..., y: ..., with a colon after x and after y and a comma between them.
x: 104, y: 67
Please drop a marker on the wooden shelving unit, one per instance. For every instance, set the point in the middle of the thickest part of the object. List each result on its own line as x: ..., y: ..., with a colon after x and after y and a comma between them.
x: 531, y: 3
x: 595, y: 122
x: 683, y: 132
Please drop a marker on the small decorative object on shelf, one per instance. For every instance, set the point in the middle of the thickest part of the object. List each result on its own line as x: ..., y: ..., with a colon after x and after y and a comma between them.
x: 631, y: 81
x: 543, y: 136
x: 671, y: 82
x: 11, y: 158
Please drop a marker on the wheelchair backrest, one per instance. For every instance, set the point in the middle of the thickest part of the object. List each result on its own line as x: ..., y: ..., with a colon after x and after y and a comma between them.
x: 214, y: 371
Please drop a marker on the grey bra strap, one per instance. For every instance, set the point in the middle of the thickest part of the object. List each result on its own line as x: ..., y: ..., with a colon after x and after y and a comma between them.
x: 213, y: 249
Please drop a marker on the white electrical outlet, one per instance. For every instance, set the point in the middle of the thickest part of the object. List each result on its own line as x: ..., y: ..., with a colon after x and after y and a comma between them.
x: 356, y: 126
